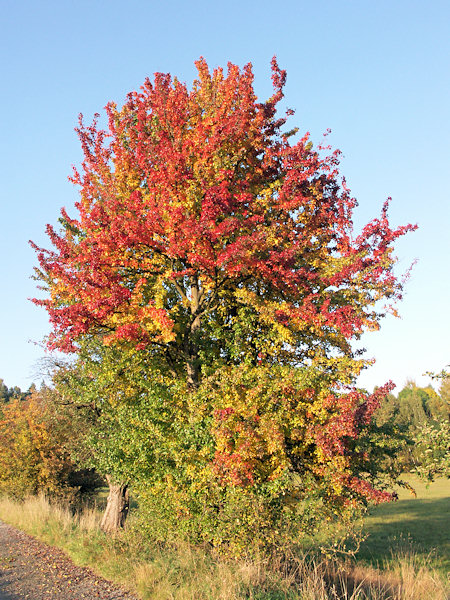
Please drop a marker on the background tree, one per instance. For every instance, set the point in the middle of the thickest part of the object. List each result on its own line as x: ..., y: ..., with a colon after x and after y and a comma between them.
x: 432, y: 450
x: 418, y: 405
x: 418, y: 419
x: 4, y: 392
x: 444, y: 390
x: 33, y: 457
x: 218, y: 258
x: 7, y: 394
x: 432, y: 440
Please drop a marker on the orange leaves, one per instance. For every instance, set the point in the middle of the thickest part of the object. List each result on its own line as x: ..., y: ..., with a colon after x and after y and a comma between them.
x: 32, y: 457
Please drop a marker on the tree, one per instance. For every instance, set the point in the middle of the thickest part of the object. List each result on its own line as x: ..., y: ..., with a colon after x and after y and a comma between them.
x: 432, y: 439
x: 7, y: 394
x: 4, y: 392
x: 444, y: 390
x: 432, y: 450
x: 211, y: 244
x: 417, y: 415
x: 413, y: 405
x: 33, y: 457
x: 14, y: 393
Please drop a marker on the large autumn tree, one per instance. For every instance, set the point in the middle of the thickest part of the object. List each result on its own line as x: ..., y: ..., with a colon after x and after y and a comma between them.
x: 214, y: 241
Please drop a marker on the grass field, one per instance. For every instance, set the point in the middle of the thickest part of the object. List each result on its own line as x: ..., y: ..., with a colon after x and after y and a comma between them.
x: 421, y: 524
x: 404, y: 558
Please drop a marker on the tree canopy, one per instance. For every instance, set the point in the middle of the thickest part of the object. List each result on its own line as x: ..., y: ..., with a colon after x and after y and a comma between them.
x: 202, y: 229
x: 213, y: 250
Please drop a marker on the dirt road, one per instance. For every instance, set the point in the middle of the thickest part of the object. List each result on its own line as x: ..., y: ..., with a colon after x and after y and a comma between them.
x: 30, y: 570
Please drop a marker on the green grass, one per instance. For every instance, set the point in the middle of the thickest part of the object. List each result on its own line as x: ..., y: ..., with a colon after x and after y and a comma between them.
x: 421, y: 524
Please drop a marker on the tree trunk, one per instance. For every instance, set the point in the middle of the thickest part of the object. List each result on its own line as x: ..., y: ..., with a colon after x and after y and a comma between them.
x: 117, y: 507
x: 193, y: 370
x: 191, y: 345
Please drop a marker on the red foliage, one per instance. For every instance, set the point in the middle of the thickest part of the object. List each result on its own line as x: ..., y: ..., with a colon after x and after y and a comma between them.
x: 202, y: 188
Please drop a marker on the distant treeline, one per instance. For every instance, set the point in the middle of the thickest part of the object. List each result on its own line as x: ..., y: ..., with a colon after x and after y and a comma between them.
x: 415, y: 406
x: 6, y: 393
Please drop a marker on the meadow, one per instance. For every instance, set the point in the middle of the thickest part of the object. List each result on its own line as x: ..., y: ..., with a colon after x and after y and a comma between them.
x: 405, y: 556
x: 421, y: 524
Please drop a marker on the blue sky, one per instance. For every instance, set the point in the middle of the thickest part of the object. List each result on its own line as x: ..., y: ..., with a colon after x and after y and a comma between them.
x: 376, y: 73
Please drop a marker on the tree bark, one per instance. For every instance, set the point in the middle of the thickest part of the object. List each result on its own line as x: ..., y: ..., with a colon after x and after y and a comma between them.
x: 117, y: 507
x: 191, y: 346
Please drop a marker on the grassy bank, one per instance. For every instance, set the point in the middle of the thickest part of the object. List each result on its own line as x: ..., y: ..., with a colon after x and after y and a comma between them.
x: 183, y: 573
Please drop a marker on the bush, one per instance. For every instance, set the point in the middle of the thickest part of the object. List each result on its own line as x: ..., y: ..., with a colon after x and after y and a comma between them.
x: 34, y: 457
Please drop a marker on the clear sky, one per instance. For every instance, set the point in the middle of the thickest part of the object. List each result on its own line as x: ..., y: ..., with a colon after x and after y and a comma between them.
x: 376, y: 73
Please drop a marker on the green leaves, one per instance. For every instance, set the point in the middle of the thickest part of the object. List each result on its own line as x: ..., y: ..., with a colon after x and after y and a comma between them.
x: 432, y: 451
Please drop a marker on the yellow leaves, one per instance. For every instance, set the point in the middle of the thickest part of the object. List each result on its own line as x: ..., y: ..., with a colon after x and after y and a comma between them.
x: 60, y: 291
x: 372, y: 325
x: 269, y: 313
x: 31, y: 458
x: 266, y: 194
x: 160, y: 293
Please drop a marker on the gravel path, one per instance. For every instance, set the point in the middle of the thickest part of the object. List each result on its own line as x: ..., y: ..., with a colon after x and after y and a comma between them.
x: 31, y: 570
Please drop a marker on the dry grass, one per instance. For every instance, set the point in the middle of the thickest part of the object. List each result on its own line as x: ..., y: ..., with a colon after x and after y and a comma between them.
x: 184, y: 573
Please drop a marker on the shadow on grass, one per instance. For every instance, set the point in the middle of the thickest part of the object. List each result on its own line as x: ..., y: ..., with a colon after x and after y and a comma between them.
x: 418, y: 525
